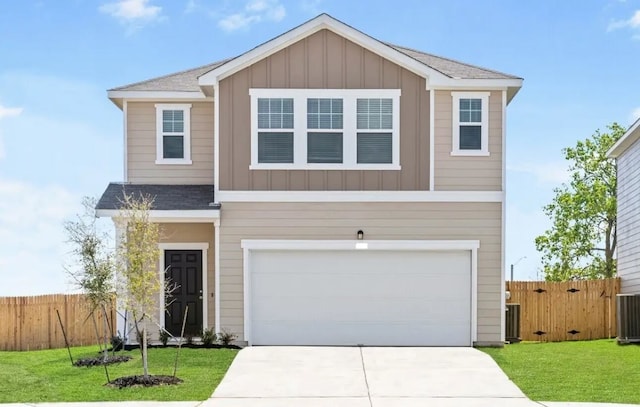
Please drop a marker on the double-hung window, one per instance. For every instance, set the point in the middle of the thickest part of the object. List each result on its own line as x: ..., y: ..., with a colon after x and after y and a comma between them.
x: 339, y: 129
x: 470, y: 123
x: 173, y: 134
x: 275, y: 130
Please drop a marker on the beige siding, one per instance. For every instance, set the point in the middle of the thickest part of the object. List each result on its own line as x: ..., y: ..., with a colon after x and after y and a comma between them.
x: 464, y: 173
x: 196, y: 233
x: 141, y: 147
x: 394, y: 221
x: 323, y: 60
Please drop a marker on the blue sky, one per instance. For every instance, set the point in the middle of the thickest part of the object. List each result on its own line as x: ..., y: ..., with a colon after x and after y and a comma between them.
x: 61, y: 138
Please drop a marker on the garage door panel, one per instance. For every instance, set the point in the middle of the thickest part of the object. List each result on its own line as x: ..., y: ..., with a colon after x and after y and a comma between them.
x: 360, y: 297
x: 362, y: 333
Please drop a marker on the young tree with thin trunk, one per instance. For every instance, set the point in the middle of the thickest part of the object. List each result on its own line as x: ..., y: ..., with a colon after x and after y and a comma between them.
x: 582, y: 240
x: 140, y: 284
x: 94, y: 275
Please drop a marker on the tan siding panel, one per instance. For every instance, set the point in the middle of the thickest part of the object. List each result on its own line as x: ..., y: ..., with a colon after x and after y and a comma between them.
x: 467, y: 173
x: 323, y: 60
x: 395, y: 221
x: 141, y: 147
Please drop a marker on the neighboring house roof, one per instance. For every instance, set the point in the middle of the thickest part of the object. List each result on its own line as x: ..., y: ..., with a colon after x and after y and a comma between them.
x: 631, y: 136
x: 165, y: 197
x: 195, y: 83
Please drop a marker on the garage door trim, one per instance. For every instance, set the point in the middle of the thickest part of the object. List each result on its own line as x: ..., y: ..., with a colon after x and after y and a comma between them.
x: 249, y: 245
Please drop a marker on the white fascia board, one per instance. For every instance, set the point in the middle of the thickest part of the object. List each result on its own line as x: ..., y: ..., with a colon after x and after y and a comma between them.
x: 118, y: 96
x: 406, y: 245
x: 323, y: 21
x: 630, y: 137
x: 199, y: 215
x: 360, y: 196
x: 512, y: 86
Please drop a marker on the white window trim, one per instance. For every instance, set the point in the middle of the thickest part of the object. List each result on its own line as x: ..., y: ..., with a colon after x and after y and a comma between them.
x: 186, y: 160
x: 484, y: 142
x: 349, y: 131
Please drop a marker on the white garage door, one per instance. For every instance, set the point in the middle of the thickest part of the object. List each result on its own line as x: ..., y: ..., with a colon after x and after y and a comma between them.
x: 377, y: 298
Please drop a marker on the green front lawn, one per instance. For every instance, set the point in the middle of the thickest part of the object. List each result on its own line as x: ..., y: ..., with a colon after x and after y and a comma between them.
x: 47, y: 375
x: 588, y: 371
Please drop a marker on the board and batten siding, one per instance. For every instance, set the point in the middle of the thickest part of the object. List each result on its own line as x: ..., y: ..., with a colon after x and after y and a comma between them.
x: 466, y: 173
x: 141, y: 147
x: 379, y: 221
x: 323, y: 60
x: 628, y: 228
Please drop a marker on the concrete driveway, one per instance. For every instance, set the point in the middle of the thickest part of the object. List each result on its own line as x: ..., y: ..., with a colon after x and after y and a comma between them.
x: 365, y: 377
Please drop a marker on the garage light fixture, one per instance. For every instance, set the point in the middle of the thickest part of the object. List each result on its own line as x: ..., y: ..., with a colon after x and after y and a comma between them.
x: 360, y: 235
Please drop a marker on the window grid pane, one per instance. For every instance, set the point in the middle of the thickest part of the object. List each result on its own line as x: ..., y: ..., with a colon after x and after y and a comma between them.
x: 374, y: 113
x: 275, y: 113
x: 324, y: 113
x: 470, y: 110
x: 172, y: 121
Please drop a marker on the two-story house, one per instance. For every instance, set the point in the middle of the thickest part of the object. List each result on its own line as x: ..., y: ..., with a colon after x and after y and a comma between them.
x: 326, y: 188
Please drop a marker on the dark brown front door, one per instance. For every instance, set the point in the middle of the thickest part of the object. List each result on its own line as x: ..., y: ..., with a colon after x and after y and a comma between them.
x: 184, y: 273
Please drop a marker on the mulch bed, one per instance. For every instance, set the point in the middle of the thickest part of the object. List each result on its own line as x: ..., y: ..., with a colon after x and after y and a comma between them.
x: 146, y: 381
x: 99, y: 361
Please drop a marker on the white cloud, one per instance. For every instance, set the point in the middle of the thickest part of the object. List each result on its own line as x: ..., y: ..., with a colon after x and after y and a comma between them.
x: 635, y: 115
x: 7, y: 112
x: 545, y: 173
x: 132, y: 12
x: 632, y: 23
x: 311, y: 6
x: 254, y: 11
x: 33, y: 248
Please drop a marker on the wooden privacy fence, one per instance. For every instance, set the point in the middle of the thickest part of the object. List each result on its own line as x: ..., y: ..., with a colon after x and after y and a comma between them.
x: 564, y: 311
x: 28, y: 323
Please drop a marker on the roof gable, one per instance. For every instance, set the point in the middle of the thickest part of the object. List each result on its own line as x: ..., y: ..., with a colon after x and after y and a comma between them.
x: 631, y: 136
x: 323, y: 21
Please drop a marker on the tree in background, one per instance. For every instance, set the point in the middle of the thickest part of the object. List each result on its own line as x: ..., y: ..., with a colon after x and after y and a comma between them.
x: 140, y: 283
x: 95, y: 274
x: 582, y: 240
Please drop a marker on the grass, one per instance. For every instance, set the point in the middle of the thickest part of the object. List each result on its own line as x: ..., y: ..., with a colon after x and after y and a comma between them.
x: 47, y: 375
x: 587, y: 371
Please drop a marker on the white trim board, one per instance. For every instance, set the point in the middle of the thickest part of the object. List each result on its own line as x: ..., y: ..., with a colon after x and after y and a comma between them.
x: 249, y: 245
x: 204, y: 247
x: 627, y: 139
x: 360, y: 196
x: 189, y: 216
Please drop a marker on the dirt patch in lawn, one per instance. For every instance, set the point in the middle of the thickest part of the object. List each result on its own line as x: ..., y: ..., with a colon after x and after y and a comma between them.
x: 100, y: 361
x: 145, y: 381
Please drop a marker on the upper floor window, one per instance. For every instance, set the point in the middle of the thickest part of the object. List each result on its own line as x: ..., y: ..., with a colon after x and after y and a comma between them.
x: 173, y: 134
x: 470, y: 123
x: 325, y: 129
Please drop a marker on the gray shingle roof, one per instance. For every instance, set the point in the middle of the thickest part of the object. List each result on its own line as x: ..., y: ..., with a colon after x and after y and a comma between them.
x: 188, y: 80
x: 166, y: 197
x: 451, y: 67
x: 179, y: 81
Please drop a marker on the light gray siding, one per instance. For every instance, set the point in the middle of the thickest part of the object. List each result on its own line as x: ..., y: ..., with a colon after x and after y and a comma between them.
x: 629, y: 219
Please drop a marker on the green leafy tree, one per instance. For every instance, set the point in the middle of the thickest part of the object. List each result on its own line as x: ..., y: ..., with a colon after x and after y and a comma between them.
x: 582, y: 240
x: 140, y: 283
x: 94, y: 272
